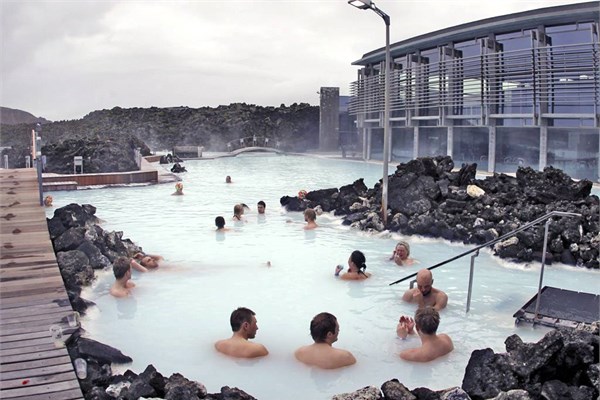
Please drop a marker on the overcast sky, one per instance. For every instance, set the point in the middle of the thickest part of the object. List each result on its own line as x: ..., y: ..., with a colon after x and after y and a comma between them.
x: 63, y: 59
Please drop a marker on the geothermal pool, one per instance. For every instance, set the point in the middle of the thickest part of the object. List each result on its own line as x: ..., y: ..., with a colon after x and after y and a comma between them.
x: 177, y: 312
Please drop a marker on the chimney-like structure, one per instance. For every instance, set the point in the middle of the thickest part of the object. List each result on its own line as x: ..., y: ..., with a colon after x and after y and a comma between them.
x: 329, y: 119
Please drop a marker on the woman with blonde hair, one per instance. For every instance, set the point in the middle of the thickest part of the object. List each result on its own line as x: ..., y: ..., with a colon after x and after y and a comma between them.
x: 401, y: 254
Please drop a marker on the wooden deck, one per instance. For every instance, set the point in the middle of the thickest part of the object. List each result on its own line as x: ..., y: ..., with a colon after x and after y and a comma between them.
x: 32, y: 298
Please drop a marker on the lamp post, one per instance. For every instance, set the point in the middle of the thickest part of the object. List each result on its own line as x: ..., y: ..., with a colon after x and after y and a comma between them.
x: 369, y: 5
x: 37, y: 150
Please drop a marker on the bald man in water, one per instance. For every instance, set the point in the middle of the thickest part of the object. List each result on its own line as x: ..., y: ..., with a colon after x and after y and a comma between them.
x: 425, y: 295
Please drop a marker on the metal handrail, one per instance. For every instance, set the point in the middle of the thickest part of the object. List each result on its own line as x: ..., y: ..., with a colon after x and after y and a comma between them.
x: 491, y: 242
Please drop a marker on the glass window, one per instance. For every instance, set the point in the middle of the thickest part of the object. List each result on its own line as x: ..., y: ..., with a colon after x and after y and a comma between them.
x: 570, y: 34
x: 517, y: 147
x: 464, y: 79
x: 575, y: 151
x: 433, y: 142
x: 402, y: 144
x: 377, y: 143
x: 515, y: 41
x: 570, y: 122
x: 470, y: 145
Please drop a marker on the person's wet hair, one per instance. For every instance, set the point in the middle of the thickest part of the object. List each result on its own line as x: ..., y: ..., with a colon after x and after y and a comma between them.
x: 358, y: 258
x: 121, y: 266
x: 405, y: 245
x: 310, y: 214
x: 148, y: 262
x: 320, y: 325
x: 427, y: 320
x: 238, y: 209
x: 220, y: 222
x: 261, y: 203
x: 239, y: 316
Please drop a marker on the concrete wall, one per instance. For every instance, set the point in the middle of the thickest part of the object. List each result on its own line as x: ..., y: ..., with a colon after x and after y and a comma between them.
x: 329, y: 124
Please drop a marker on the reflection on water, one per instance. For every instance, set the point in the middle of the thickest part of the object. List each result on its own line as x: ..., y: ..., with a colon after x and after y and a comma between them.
x: 179, y: 311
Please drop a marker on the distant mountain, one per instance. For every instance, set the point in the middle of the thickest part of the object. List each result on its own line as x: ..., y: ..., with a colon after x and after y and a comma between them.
x: 102, y: 134
x: 11, y: 116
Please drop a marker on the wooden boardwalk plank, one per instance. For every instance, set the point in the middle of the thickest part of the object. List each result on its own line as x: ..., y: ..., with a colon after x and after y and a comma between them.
x: 37, y: 371
x: 27, y: 365
x: 41, y: 389
x: 34, y: 381
x: 62, y: 395
x: 32, y: 298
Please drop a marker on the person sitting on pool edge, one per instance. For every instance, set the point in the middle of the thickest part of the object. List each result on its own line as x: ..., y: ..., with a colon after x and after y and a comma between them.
x: 433, y: 345
x: 401, y: 254
x: 310, y: 216
x: 425, y: 295
x: 324, y: 330
x: 356, y: 267
x: 244, y: 327
x: 123, y: 284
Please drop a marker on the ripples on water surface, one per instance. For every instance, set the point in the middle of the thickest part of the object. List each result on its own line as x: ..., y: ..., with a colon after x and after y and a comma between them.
x: 179, y: 311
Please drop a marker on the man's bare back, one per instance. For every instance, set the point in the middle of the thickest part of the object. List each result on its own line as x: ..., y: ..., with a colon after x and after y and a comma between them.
x: 324, y: 356
x: 241, y: 348
x: 118, y: 290
x: 437, y: 346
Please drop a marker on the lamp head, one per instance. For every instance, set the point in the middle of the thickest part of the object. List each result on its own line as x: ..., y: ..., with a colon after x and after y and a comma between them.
x: 361, y: 4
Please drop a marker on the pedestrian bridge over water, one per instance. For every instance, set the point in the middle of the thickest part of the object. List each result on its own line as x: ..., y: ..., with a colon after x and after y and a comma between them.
x: 253, y: 144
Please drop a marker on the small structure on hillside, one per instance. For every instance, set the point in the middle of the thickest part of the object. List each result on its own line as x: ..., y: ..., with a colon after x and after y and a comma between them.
x: 188, y: 151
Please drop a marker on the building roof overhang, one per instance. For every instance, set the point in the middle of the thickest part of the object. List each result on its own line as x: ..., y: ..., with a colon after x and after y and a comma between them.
x: 559, y: 15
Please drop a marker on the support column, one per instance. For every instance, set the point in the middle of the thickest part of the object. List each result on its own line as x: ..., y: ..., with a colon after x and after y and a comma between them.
x: 416, y: 142
x: 369, y: 135
x: 543, y: 145
x: 492, y: 149
x: 450, y: 139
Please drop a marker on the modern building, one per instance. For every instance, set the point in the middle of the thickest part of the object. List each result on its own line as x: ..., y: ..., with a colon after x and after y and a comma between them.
x: 516, y: 90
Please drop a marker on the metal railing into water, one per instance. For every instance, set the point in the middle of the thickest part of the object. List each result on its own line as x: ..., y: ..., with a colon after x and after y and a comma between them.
x: 475, y: 252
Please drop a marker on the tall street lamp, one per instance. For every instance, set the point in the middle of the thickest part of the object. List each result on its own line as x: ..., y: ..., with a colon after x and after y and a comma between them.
x: 369, y: 5
x: 37, y: 153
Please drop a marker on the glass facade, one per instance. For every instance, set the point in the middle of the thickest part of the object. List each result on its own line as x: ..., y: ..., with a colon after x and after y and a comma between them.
x: 533, y: 91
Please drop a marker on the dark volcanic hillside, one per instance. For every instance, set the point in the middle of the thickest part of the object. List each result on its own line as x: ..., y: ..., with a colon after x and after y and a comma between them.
x: 296, y: 127
x: 11, y: 116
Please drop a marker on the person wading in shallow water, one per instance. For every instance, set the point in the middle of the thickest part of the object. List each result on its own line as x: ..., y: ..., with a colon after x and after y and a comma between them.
x: 244, y: 327
x: 356, y: 267
x: 324, y: 330
x: 310, y: 217
x: 425, y: 294
x: 178, y: 189
x: 433, y: 345
x: 123, y: 284
x: 401, y: 254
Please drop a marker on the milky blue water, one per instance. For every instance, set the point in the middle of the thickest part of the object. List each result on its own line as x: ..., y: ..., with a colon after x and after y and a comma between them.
x: 177, y: 313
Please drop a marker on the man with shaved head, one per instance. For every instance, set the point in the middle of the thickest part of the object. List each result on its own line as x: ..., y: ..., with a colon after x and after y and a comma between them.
x: 425, y: 295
